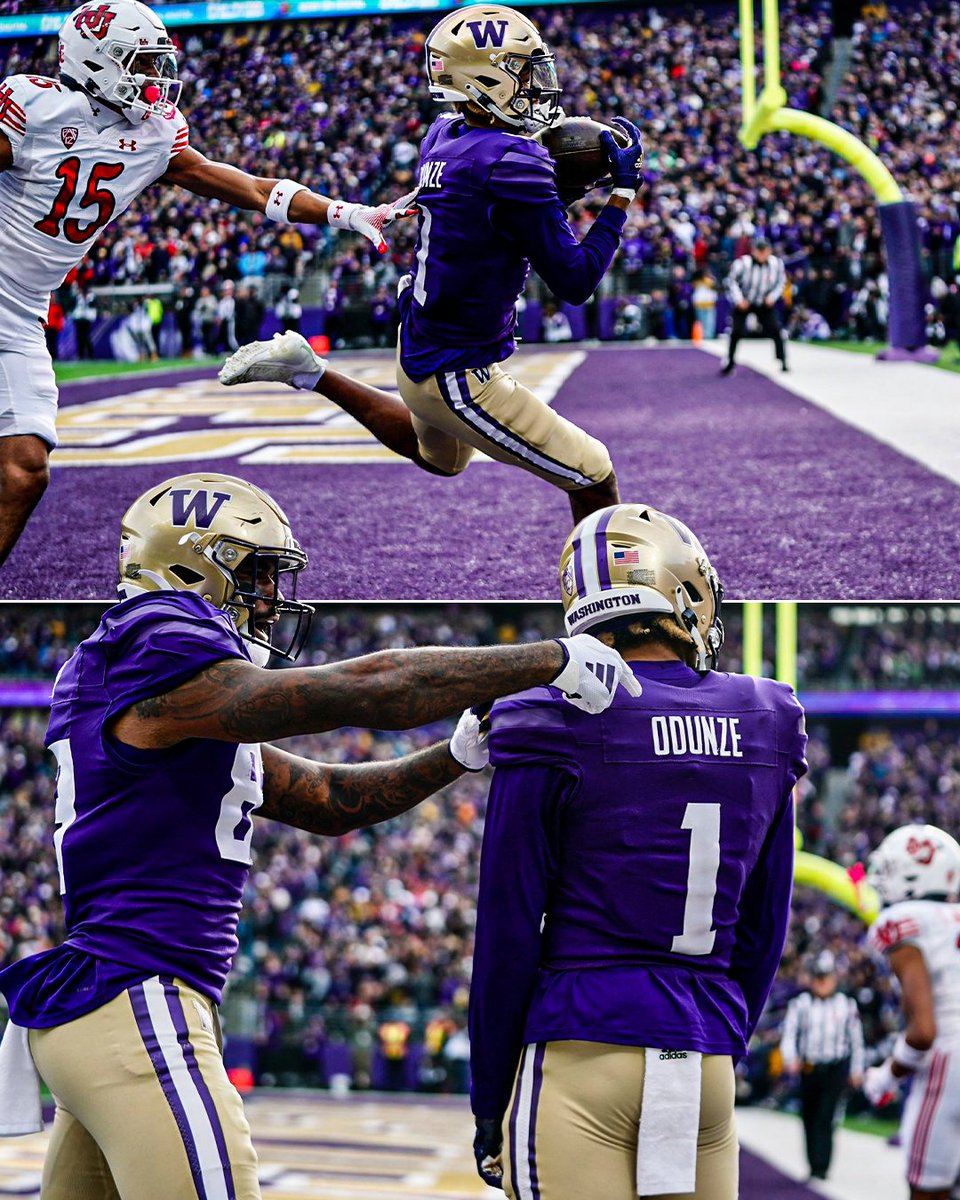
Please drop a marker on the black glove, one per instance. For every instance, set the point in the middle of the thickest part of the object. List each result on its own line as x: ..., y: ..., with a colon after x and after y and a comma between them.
x: 626, y: 162
x: 487, y: 1150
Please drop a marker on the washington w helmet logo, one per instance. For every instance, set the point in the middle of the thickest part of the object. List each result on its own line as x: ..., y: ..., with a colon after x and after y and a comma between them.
x: 485, y: 32
x: 199, y: 507
x: 95, y: 21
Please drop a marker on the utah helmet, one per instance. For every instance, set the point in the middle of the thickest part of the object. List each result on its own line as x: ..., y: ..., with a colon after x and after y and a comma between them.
x: 631, y: 559
x: 227, y: 541
x: 913, y: 862
x: 495, y: 57
x: 120, y: 52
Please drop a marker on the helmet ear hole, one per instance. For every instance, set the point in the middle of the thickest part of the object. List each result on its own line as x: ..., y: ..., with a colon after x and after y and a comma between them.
x: 186, y: 574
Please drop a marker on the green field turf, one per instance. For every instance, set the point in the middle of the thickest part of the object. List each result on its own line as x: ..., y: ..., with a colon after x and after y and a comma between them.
x: 949, y: 357
x: 66, y: 372
x: 867, y: 1122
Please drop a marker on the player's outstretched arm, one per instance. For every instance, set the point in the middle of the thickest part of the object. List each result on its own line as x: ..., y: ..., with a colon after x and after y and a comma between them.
x: 6, y: 153
x: 281, y: 199
x: 235, y: 701
x: 912, y: 1047
x: 332, y: 800
x: 916, y: 991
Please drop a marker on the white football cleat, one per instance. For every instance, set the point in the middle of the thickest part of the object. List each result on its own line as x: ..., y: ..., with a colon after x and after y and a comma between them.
x: 286, y: 358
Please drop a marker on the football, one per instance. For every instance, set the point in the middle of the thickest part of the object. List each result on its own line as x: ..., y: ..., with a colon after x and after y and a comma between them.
x: 575, y: 146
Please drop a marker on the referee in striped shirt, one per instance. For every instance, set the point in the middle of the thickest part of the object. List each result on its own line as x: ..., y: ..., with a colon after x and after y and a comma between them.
x: 755, y: 284
x: 822, y: 1039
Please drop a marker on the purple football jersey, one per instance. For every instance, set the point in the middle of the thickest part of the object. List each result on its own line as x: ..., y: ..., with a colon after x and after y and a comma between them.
x: 152, y: 846
x: 489, y: 208
x: 655, y: 843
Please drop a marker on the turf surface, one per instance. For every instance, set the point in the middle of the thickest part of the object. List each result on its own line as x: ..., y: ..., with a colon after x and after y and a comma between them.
x: 789, y: 501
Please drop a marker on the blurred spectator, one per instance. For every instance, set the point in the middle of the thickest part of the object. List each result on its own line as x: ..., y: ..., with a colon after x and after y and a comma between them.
x: 248, y: 315
x: 289, y: 310
x: 556, y: 325
x: 84, y: 317
x: 53, y: 327
x: 704, y: 300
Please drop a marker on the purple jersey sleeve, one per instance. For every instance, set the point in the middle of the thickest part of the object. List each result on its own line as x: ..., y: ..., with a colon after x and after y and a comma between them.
x: 524, y: 174
x: 519, y: 856
x: 765, y: 907
x: 532, y: 726
x: 156, y: 644
x: 529, y: 210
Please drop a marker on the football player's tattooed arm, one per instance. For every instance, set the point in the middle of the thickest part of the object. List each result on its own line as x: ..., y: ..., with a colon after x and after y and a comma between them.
x: 6, y: 153
x: 235, y: 701
x: 910, y: 968
x: 333, y: 800
x: 219, y: 181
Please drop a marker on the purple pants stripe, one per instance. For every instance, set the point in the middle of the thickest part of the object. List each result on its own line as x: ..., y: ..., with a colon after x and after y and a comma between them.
x: 603, y: 557
x: 534, y: 1105
x: 476, y: 415
x: 145, y: 1025
x: 175, y: 1005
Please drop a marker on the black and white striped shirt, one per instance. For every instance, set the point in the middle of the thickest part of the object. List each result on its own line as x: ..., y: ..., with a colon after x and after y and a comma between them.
x: 756, y: 282
x: 823, y: 1031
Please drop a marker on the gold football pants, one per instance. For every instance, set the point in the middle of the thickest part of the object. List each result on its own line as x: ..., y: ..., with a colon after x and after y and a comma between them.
x: 458, y: 412
x: 145, y: 1110
x: 572, y: 1127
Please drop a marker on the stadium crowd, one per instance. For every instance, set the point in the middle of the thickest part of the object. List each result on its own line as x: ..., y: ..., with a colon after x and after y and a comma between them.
x: 341, y: 104
x: 355, y: 953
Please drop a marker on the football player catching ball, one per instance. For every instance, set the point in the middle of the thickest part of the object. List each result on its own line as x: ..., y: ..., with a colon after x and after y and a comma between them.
x: 75, y: 152
x: 489, y: 211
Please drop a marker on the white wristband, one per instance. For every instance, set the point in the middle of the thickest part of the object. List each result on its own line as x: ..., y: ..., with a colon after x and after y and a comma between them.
x: 278, y: 202
x: 908, y: 1056
x: 339, y: 213
x: 624, y: 193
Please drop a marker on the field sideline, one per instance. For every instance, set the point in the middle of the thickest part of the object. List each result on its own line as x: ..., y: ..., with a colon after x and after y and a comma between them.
x: 800, y: 486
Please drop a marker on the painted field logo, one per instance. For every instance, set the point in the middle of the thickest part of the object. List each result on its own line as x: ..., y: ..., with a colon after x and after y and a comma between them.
x: 95, y: 21
x: 488, y: 33
x: 199, y: 509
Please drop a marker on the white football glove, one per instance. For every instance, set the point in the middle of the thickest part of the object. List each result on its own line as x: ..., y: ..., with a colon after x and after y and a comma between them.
x: 880, y: 1085
x: 469, y: 745
x: 370, y: 221
x: 592, y: 674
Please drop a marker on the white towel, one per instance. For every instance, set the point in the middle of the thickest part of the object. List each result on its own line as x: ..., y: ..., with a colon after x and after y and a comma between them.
x: 669, y: 1123
x: 20, y: 1111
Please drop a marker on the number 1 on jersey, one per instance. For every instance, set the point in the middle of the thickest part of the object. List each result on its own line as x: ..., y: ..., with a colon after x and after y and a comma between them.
x: 703, y: 821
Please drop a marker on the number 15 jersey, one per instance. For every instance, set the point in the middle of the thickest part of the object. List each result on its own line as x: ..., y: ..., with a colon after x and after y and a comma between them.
x: 76, y: 166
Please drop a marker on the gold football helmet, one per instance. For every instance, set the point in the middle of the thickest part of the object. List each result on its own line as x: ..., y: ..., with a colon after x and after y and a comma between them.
x: 495, y: 57
x: 631, y: 559
x: 227, y: 541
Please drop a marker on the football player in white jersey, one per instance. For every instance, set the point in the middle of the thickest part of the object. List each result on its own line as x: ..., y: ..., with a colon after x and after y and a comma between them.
x: 74, y: 153
x: 916, y: 871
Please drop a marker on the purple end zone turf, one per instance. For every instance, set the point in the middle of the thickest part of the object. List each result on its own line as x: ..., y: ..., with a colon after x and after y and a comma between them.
x: 789, y: 501
x: 760, y: 1181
